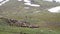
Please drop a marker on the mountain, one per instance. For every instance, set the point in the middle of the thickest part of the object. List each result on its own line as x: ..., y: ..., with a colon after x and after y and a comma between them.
x: 15, y: 11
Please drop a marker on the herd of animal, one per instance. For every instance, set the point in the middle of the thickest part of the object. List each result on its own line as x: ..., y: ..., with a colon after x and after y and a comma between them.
x: 18, y: 23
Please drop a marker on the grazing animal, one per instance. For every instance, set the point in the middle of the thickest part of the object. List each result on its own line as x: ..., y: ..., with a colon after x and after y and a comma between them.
x: 13, y: 22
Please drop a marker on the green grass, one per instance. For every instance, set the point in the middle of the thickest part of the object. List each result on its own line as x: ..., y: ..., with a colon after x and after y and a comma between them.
x: 21, y: 30
x: 6, y: 29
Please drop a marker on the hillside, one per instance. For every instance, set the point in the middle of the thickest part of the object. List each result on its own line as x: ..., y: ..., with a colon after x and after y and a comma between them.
x: 34, y: 15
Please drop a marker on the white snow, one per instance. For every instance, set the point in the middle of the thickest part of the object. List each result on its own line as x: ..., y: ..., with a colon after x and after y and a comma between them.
x: 25, y: 0
x: 28, y: 1
x: 35, y: 5
x: 52, y: 0
x: 3, y: 2
x: 55, y: 9
x: 19, y: 0
x: 57, y: 0
x: 48, y: 0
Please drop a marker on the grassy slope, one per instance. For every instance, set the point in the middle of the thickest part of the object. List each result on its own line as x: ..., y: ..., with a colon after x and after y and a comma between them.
x: 18, y: 30
x: 16, y: 10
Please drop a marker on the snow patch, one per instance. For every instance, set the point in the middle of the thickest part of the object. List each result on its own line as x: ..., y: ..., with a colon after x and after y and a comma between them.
x: 55, y: 9
x: 52, y: 0
x: 28, y: 1
x: 48, y: 0
x: 35, y: 5
x: 19, y: 0
x: 3, y: 2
